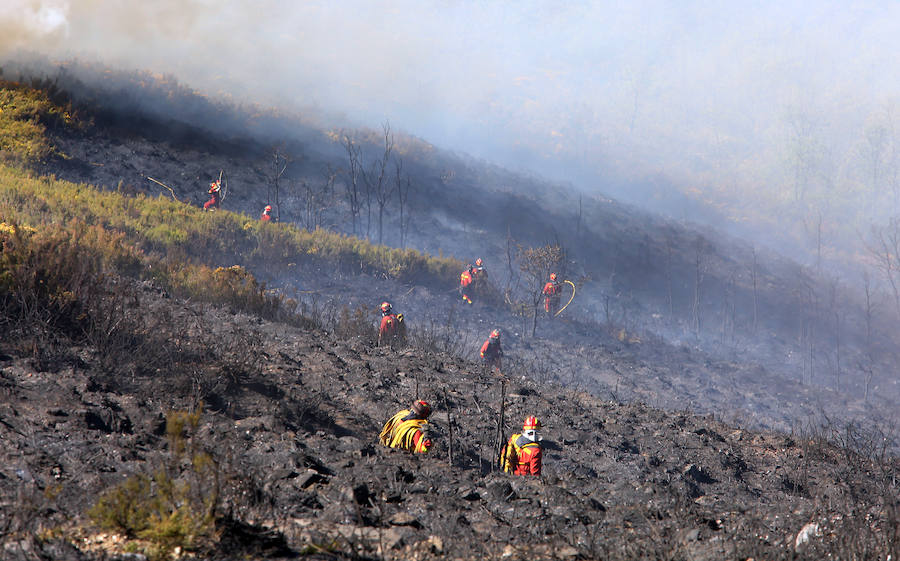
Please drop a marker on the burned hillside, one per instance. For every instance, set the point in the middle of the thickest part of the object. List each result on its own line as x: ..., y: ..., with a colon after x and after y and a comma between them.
x: 290, y: 414
x: 176, y: 381
x: 801, y: 340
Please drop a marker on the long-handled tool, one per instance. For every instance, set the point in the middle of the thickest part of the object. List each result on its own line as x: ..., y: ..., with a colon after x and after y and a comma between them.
x: 570, y: 299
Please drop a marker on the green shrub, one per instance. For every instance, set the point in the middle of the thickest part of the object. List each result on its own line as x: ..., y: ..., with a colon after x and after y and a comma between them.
x: 125, y: 508
x: 176, y: 507
x: 25, y: 114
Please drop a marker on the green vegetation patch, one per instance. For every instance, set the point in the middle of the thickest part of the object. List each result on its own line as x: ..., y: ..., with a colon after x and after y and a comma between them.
x: 25, y: 114
x: 164, y: 227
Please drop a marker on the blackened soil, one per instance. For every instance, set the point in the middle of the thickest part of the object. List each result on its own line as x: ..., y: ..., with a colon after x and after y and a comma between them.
x: 292, y: 417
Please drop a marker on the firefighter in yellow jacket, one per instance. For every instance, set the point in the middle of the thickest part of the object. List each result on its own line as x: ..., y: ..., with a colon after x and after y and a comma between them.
x: 408, y: 429
x: 522, y: 455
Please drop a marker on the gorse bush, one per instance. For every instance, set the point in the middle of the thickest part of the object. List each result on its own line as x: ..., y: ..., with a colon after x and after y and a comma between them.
x: 25, y: 114
x: 173, y: 507
x: 47, y: 279
x: 159, y: 226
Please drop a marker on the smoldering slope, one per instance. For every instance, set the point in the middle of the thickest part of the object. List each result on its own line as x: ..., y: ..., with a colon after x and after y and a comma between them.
x: 683, y: 108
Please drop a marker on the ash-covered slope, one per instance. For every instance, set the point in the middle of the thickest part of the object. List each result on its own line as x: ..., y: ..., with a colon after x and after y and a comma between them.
x: 291, y: 417
x: 705, y: 321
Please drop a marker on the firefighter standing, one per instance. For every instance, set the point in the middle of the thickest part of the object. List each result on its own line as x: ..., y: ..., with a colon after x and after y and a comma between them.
x: 215, y: 196
x: 471, y: 279
x: 266, y: 214
x: 408, y: 429
x: 391, y: 330
x: 522, y: 454
x: 467, y: 283
x: 551, y: 295
x: 479, y: 272
x: 491, y: 352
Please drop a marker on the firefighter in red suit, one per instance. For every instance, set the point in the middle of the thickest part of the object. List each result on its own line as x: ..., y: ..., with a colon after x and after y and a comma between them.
x: 266, y: 214
x: 522, y: 454
x: 491, y: 352
x: 391, y: 330
x: 215, y: 196
x: 467, y: 284
x: 551, y: 295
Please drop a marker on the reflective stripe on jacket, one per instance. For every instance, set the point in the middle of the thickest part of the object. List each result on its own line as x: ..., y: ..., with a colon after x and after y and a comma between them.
x: 404, y: 433
x: 521, y: 456
x: 491, y: 350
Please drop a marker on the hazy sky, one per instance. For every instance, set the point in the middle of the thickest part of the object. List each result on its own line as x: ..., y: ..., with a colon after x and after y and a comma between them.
x: 683, y: 86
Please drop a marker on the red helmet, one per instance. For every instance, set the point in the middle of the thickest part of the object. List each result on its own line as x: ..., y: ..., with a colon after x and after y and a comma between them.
x: 421, y: 409
x: 531, y: 423
x: 478, y: 262
x: 553, y: 276
x: 385, y: 307
x: 495, y: 334
x: 268, y: 208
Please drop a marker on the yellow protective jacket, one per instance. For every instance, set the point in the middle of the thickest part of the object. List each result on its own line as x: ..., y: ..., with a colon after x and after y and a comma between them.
x: 521, y: 456
x: 405, y: 433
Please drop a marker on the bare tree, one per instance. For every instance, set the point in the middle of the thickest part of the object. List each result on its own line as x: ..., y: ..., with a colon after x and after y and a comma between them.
x: 537, y: 263
x: 699, y: 272
x: 278, y: 165
x: 404, y: 184
x: 754, y: 278
x: 875, y: 152
x: 837, y: 314
x: 728, y: 307
x: 669, y: 300
x: 869, y: 310
x: 377, y: 183
x: 354, y: 171
x: 317, y: 198
x: 884, y: 247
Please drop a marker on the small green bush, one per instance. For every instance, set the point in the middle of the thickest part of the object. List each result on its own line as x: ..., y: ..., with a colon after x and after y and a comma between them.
x: 176, y: 507
x: 125, y: 508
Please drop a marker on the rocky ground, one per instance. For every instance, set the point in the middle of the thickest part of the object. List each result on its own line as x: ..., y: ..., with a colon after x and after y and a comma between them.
x: 291, y: 414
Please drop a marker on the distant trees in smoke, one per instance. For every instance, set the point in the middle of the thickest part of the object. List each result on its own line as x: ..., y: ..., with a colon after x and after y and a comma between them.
x: 368, y: 181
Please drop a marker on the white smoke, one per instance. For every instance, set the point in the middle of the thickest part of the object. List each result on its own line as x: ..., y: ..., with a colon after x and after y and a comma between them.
x: 692, y: 91
x: 23, y: 22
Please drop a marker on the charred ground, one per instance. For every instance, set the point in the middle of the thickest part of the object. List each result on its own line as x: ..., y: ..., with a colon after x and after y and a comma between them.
x: 290, y: 411
x: 694, y: 317
x: 291, y: 415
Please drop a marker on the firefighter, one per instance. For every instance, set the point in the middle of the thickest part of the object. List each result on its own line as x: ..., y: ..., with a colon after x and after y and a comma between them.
x: 266, y: 214
x: 491, y: 352
x: 215, y: 196
x: 408, y: 429
x: 480, y: 273
x: 522, y: 454
x: 467, y: 283
x: 392, y: 330
x: 551, y: 294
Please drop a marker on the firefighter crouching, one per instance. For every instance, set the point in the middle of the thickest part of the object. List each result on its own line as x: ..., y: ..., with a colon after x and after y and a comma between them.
x: 392, y: 330
x: 408, y: 429
x: 551, y: 295
x: 522, y: 454
x: 491, y: 352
